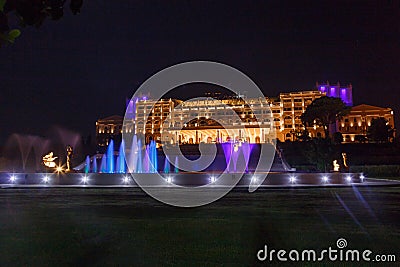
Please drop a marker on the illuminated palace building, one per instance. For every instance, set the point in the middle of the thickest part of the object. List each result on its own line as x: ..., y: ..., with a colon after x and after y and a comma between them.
x: 211, y: 120
x: 205, y: 120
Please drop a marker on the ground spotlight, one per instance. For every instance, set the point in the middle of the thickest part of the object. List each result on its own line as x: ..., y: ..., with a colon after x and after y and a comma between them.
x: 126, y: 179
x: 325, y: 179
x: 254, y: 179
x: 13, y: 178
x: 213, y: 179
x: 348, y: 178
x: 362, y: 177
x: 169, y: 180
x: 85, y: 179
x: 46, y: 179
x: 292, y: 179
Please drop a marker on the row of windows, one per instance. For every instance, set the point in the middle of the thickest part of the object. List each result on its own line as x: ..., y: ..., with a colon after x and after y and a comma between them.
x: 295, y: 108
x: 358, y: 118
x: 297, y: 100
x: 289, y: 118
x: 291, y: 125
x: 158, y: 114
x: 157, y: 106
x: 348, y: 128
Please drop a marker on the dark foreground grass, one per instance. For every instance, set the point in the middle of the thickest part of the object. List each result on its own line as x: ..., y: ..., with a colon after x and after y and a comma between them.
x: 122, y: 226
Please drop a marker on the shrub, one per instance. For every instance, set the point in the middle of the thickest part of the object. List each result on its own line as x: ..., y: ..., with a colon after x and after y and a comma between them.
x: 376, y: 171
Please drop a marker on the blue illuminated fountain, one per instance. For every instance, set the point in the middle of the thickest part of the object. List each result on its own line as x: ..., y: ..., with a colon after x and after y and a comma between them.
x: 94, y: 165
x: 144, y: 159
x: 139, y: 157
x: 103, y: 165
x: 166, y: 165
x: 121, y: 158
x: 152, y: 150
x: 110, y: 157
x: 87, y: 165
x: 146, y: 164
x: 132, y: 159
x: 176, y: 170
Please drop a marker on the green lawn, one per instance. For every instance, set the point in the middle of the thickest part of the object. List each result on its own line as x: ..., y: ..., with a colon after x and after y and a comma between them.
x: 41, y: 227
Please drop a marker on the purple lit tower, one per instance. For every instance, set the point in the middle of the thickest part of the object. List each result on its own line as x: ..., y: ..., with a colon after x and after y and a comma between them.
x: 337, y: 90
x: 131, y: 106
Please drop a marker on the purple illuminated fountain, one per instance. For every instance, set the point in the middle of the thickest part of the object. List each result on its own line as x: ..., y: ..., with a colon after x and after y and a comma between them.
x: 227, y: 147
x: 247, y: 148
x: 233, y: 151
x: 40, y: 147
x: 67, y: 137
x: 30, y: 147
x: 235, y: 156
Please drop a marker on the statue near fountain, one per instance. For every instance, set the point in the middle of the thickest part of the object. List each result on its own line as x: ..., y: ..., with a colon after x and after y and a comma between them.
x: 336, y: 166
x: 344, y: 156
x: 70, y: 152
x: 48, y: 160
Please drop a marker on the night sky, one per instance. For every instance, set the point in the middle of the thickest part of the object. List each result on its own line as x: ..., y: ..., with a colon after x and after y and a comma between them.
x: 78, y: 69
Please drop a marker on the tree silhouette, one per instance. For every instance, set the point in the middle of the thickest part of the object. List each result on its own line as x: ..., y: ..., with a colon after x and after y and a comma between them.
x: 324, y: 112
x: 380, y: 130
x: 31, y: 13
x: 338, y: 138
